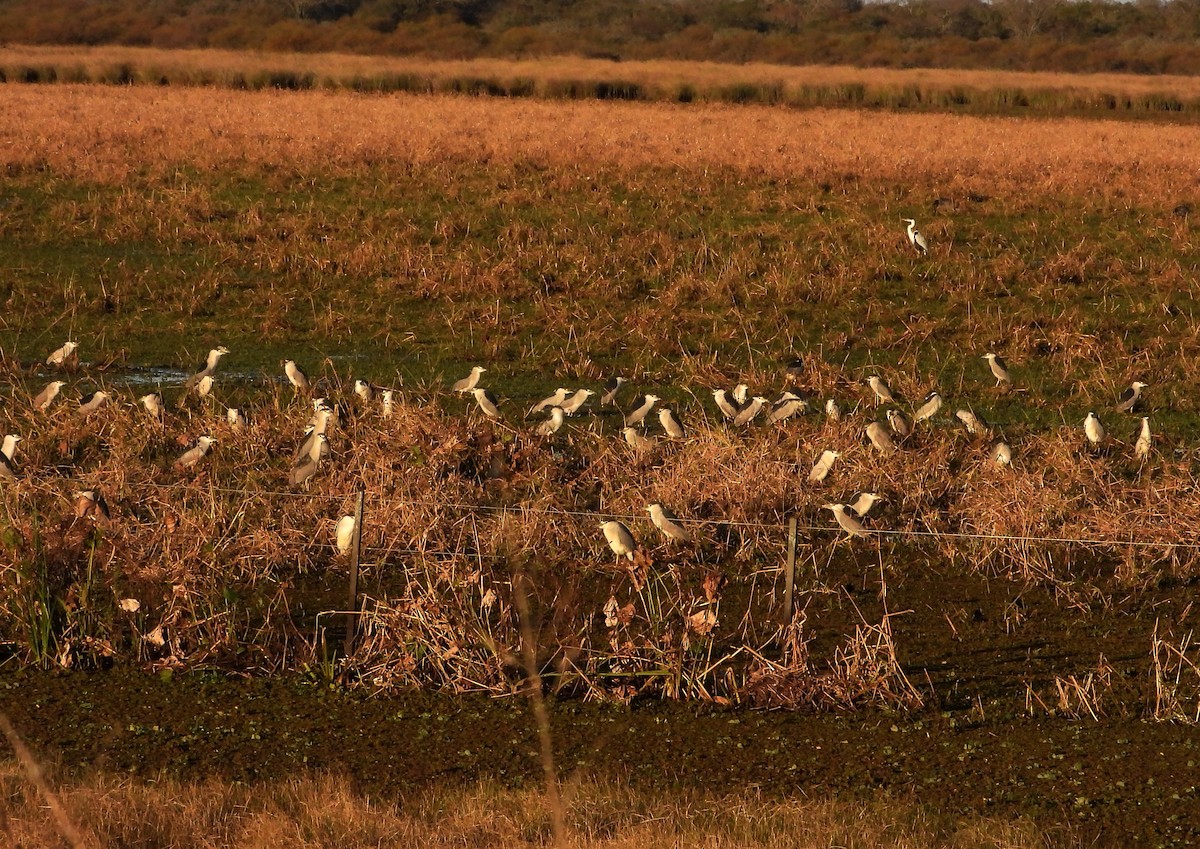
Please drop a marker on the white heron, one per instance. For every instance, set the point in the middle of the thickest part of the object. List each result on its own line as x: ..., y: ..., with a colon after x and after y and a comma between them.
x: 914, y: 236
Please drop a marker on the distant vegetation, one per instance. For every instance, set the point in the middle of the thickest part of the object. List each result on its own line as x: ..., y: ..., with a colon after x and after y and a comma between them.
x: 1145, y: 37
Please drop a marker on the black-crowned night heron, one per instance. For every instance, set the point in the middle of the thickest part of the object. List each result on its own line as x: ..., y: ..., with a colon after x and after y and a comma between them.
x: 90, y: 504
x: 880, y: 439
x: 204, y: 386
x: 725, y: 403
x: 209, y: 367
x: 296, y: 377
x: 343, y: 535
x: 468, y: 383
x: 820, y: 469
x: 794, y: 370
x: 611, y: 388
x: 575, y: 403
x: 832, y: 411
x: 635, y: 440
x: 555, y: 400
x: 1093, y: 430
x: 1145, y: 440
x: 914, y: 236
x: 235, y: 419
x: 46, y: 397
x: 8, y: 469
x: 751, y: 411
x: 1131, y: 397
x: 1002, y: 453
x: 849, y: 523
x: 741, y: 392
x: 668, y: 523
x: 9, y: 447
x: 899, y: 423
x: 63, y: 355
x: 194, y: 455
x: 789, y: 404
x: 487, y: 402
x: 308, y: 465
x: 973, y: 422
x: 929, y: 409
x: 670, y: 424
x: 620, y: 540
x: 152, y: 403
x: 365, y: 391
x: 92, y: 402
x: 883, y: 392
x: 314, y: 437
x: 641, y: 409
x: 553, y: 424
x: 999, y: 368
x: 862, y: 502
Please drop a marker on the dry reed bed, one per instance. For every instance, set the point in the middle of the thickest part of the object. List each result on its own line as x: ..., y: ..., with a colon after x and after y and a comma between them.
x: 105, y: 135
x: 457, y: 507
x: 325, y: 811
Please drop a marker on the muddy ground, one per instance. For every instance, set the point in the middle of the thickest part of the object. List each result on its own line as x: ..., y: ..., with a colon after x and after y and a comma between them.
x: 976, y: 646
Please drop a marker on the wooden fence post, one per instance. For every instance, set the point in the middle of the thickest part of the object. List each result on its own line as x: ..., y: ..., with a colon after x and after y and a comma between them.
x: 355, y: 552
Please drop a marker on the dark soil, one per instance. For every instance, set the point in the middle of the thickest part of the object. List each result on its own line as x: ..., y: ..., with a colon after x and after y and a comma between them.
x: 977, y: 647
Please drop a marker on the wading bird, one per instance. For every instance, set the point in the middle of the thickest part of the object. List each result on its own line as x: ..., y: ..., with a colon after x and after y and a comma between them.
x: 386, y: 403
x: 9, y: 447
x: 487, y: 402
x: 235, y: 419
x: 914, y: 236
x: 670, y: 424
x: 153, y: 405
x: 849, y: 523
x: 933, y: 403
x: 90, y: 503
x: 725, y: 403
x: 194, y: 455
x: 552, y: 425
x: 668, y: 523
x: 862, y: 503
x: 46, y: 397
x: 308, y: 465
x: 880, y: 439
x: 365, y: 391
x: 789, y: 404
x: 899, y: 423
x: 207, y: 370
x: 575, y: 403
x: 92, y: 402
x: 883, y: 392
x: 820, y: 469
x: 751, y: 411
x: 344, y: 535
x: 296, y: 377
x: 641, y: 409
x: 1145, y: 441
x: 63, y: 355
x: 555, y: 400
x: 1131, y: 397
x: 973, y: 422
x: 1002, y: 453
x: 468, y: 383
x: 610, y: 391
x: 620, y: 540
x: 636, y: 441
x: 832, y: 411
x: 1093, y: 430
x: 999, y: 368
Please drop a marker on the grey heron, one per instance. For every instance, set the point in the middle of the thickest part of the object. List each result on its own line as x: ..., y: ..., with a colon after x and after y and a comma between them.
x: 63, y: 355
x: 668, y: 523
x: 194, y: 455
x: 670, y: 424
x: 933, y: 403
x: 880, y: 439
x: 914, y: 236
x: 1131, y: 397
x: 640, y: 410
x: 751, y: 411
x: 487, y: 402
x: 999, y: 368
x: 575, y: 403
x: 46, y: 397
x: 611, y: 388
x: 92, y: 402
x: 820, y: 469
x: 883, y: 392
x: 296, y: 377
x: 850, y: 524
x: 560, y: 394
x: 468, y: 383
x: 620, y: 540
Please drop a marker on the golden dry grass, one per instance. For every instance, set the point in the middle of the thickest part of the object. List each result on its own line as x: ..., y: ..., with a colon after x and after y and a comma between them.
x: 652, y: 76
x: 324, y: 811
x: 104, y: 134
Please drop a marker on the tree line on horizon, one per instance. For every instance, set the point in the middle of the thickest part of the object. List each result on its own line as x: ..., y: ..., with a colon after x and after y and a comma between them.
x: 1146, y: 36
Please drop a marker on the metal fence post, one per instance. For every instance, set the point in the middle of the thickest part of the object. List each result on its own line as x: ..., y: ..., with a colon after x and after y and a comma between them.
x: 355, y: 552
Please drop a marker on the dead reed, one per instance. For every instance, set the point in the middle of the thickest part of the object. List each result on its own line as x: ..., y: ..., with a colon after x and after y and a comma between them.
x: 324, y: 811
